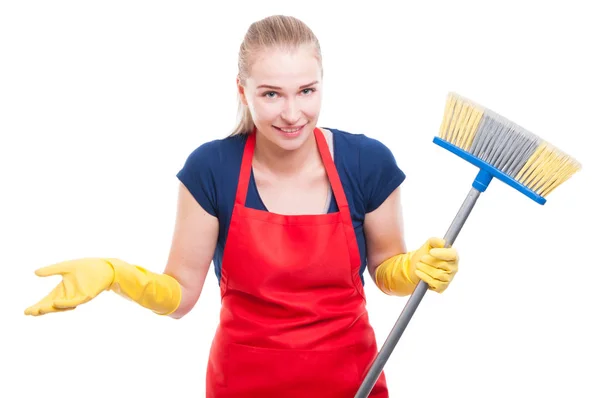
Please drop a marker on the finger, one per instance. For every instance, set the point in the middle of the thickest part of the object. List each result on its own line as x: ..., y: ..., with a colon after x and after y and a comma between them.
x: 69, y: 289
x: 45, y: 305
x: 43, y: 308
x: 436, y: 242
x: 51, y: 309
x: 54, y: 269
x: 31, y: 310
x: 433, y: 283
x: 437, y: 263
x: 435, y: 273
x: 446, y: 254
x: 66, y: 294
x: 70, y: 302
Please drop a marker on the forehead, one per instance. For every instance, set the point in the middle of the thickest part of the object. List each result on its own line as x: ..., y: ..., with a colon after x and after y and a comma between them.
x: 285, y: 67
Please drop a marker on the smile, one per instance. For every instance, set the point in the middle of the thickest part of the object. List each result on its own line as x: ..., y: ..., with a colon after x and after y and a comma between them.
x: 290, y: 130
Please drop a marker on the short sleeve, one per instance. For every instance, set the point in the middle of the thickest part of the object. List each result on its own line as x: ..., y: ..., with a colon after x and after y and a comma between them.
x: 379, y: 172
x: 198, y: 176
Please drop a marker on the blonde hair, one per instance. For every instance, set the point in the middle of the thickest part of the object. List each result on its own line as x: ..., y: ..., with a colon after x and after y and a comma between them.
x: 277, y: 31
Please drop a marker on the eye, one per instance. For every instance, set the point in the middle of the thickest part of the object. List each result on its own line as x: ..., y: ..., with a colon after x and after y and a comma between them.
x: 308, y: 91
x: 270, y: 94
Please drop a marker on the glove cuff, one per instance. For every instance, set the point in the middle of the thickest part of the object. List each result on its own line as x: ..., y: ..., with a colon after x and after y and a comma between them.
x: 160, y: 293
x: 392, y: 276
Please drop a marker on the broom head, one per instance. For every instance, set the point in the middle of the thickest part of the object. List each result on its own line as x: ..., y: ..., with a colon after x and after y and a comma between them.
x: 502, y: 149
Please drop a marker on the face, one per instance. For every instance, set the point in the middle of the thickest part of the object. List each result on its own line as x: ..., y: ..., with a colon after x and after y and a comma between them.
x: 283, y: 93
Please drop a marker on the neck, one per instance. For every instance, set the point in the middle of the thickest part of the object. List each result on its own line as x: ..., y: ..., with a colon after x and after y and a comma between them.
x: 283, y: 162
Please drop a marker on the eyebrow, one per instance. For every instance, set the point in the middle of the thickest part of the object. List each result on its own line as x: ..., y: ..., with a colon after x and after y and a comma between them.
x: 279, y: 88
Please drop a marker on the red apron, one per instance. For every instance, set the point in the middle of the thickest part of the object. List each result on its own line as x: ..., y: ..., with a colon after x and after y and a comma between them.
x: 293, y: 320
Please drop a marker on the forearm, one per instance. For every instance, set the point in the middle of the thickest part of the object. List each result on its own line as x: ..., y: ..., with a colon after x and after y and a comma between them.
x: 187, y: 302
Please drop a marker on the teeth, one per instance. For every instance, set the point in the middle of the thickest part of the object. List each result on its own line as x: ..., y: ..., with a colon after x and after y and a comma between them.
x: 290, y: 131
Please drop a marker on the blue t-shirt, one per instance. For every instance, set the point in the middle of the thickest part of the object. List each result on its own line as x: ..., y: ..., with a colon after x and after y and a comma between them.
x: 367, y: 169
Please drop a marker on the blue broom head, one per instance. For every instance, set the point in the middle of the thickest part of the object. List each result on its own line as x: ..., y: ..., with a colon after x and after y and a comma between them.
x: 503, y: 150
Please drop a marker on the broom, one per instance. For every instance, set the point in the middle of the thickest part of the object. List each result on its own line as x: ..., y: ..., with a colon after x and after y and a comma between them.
x: 501, y: 149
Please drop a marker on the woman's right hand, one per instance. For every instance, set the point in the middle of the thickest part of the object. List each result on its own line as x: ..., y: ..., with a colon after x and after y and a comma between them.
x: 82, y: 280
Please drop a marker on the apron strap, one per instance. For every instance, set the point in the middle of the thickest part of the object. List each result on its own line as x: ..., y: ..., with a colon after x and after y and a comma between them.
x: 334, y: 178
x: 246, y: 168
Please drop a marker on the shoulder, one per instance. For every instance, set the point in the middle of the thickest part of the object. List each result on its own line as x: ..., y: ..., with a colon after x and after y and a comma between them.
x: 209, y: 166
x: 363, y: 144
x: 370, y: 163
x: 216, y: 152
x: 370, y: 151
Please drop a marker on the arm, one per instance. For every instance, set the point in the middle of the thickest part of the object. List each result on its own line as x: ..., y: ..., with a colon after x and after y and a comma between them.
x: 396, y: 271
x: 384, y: 231
x: 177, y: 289
x: 173, y: 292
x: 192, y: 249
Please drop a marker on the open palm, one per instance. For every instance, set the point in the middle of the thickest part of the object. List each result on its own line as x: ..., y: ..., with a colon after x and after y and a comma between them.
x: 82, y: 280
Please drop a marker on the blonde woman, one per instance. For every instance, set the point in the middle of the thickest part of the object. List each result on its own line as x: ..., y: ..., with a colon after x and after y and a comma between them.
x: 291, y: 215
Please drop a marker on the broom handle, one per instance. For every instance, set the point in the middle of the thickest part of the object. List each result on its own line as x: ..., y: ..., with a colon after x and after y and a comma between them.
x: 413, y: 302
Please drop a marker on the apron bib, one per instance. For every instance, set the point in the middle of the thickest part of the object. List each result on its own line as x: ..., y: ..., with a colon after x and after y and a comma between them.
x: 293, y: 319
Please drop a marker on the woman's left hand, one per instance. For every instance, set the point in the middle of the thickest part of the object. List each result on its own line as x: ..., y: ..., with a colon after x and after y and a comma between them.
x: 435, y: 264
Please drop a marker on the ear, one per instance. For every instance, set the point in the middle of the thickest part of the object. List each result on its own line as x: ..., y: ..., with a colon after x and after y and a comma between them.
x: 241, y: 91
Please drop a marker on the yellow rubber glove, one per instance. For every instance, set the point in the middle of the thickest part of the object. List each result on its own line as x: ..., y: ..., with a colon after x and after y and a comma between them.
x: 431, y: 263
x: 84, y: 279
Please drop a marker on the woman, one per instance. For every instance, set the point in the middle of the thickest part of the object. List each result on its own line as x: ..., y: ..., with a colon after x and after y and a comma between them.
x: 292, y: 215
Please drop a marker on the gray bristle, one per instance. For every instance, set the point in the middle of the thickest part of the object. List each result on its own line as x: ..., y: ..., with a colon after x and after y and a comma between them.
x: 503, y: 144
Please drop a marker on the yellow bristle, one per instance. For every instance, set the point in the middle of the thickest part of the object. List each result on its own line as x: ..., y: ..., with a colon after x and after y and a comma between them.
x: 536, y: 160
x: 548, y: 164
x: 569, y: 168
x: 448, y: 112
x: 458, y: 109
x: 546, y: 169
x: 530, y: 165
x: 556, y: 170
x: 460, y: 121
x: 468, y: 133
x: 462, y: 124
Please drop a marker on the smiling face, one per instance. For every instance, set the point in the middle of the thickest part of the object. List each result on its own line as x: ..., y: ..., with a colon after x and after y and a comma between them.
x: 283, y: 94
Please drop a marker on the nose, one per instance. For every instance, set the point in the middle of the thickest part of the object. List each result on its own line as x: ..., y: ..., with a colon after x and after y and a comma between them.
x: 291, y: 111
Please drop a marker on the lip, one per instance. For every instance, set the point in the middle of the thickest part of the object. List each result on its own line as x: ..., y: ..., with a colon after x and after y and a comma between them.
x: 290, y: 127
x: 296, y: 133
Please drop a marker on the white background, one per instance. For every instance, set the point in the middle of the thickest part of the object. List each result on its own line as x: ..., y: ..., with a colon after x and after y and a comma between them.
x: 101, y: 102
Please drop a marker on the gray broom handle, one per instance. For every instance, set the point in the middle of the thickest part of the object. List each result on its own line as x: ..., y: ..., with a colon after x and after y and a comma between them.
x: 413, y: 302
